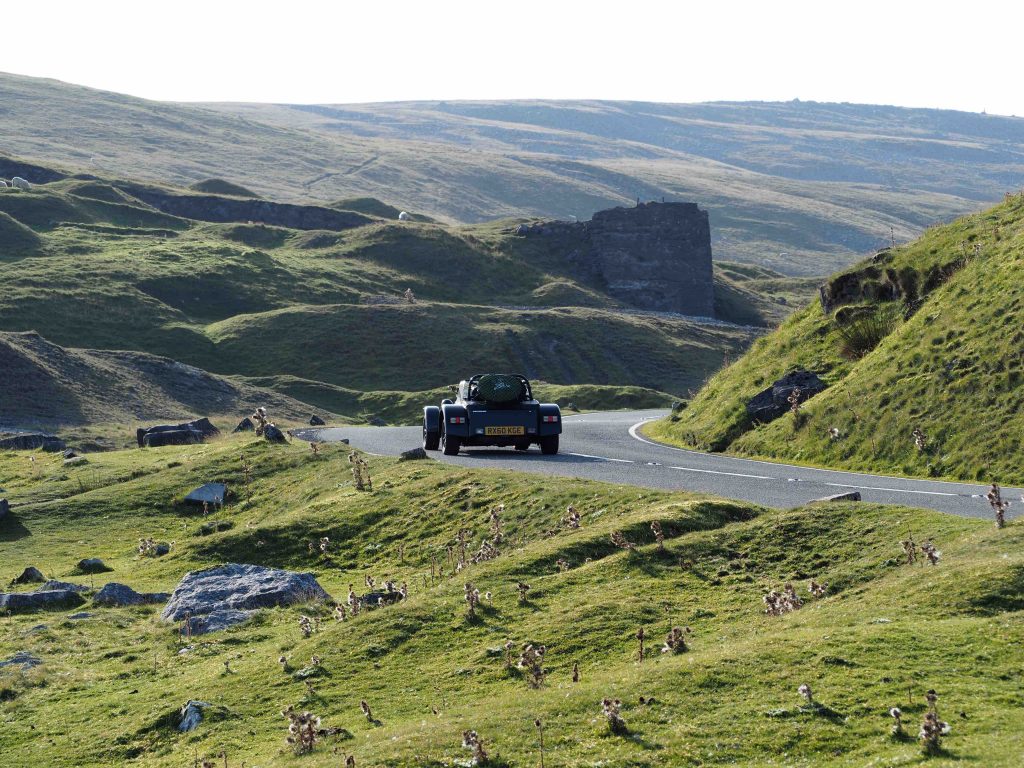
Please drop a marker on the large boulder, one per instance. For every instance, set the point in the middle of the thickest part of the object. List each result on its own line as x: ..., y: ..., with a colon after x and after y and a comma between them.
x: 773, y: 402
x: 116, y: 595
x: 175, y: 434
x: 239, y: 588
x: 93, y: 565
x: 22, y: 659
x: 30, y: 575
x: 15, y: 602
x: 32, y: 441
x: 210, y: 493
x: 245, y: 425
x: 55, y: 586
x: 5, y: 507
x: 273, y: 434
x: 316, y: 421
x: 412, y: 454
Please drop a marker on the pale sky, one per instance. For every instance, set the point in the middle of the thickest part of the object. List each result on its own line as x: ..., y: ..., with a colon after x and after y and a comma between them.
x: 923, y: 54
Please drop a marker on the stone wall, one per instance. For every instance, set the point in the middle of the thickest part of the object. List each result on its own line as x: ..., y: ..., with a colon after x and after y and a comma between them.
x: 654, y: 256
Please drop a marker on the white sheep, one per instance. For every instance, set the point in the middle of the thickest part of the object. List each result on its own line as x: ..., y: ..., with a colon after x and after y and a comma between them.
x: 403, y: 216
x: 19, y: 183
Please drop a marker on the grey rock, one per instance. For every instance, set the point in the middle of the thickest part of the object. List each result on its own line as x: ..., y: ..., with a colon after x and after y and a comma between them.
x: 93, y: 565
x: 75, y: 461
x: 210, y: 493
x: 245, y: 425
x: 66, y: 586
x: 32, y: 441
x: 240, y: 587
x: 377, y: 421
x: 30, y: 575
x: 773, y: 402
x: 216, y: 621
x: 851, y: 496
x: 176, y: 434
x: 69, y: 453
x: 117, y: 595
x: 412, y: 454
x: 80, y: 615
x: 316, y: 421
x: 378, y: 599
x: 39, y: 599
x: 162, y: 548
x: 5, y: 507
x: 38, y: 628
x: 22, y: 659
x: 274, y: 435
x: 191, y: 715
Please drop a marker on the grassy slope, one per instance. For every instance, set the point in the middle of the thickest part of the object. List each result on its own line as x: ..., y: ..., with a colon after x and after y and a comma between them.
x: 886, y: 633
x: 954, y: 369
x: 801, y: 187
x: 265, y: 301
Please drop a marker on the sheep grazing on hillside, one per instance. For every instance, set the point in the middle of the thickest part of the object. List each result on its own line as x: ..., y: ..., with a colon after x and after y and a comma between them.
x: 403, y: 216
x: 19, y: 183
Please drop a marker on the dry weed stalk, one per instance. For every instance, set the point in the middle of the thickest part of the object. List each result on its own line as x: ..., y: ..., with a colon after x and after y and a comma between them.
x: 816, y: 589
x: 659, y: 535
x: 778, y: 603
x: 620, y: 541
x: 524, y: 590
x: 531, y: 661
x: 931, y: 552
x: 366, y: 711
x: 909, y: 549
x: 640, y: 635
x: 794, y: 400
x: 360, y: 472
x: 805, y: 691
x: 308, y: 625
x: 572, y: 517
x: 897, y: 726
x: 472, y: 600
x: 920, y: 439
x: 575, y: 671
x: 998, y: 504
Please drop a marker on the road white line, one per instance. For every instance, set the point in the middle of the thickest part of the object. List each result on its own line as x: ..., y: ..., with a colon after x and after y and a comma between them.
x: 716, y: 472
x: 892, y: 490
x: 602, y: 458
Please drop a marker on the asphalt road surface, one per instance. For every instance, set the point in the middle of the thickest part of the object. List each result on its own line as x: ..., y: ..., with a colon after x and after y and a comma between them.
x: 607, y: 446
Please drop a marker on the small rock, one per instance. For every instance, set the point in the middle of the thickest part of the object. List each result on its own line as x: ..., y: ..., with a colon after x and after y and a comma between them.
x: 773, y: 402
x: 61, y: 586
x: 30, y: 575
x: 162, y: 548
x: 245, y: 425
x: 192, y: 715
x: 75, y: 461
x: 117, y: 595
x: 377, y: 421
x: 274, y: 435
x: 69, y: 453
x: 215, y: 621
x: 80, y: 615
x: 38, y: 628
x: 93, y: 565
x: 316, y: 421
x: 412, y: 454
x: 211, y: 493
x: 39, y: 599
x: 5, y: 507
x: 851, y: 496
x: 22, y: 659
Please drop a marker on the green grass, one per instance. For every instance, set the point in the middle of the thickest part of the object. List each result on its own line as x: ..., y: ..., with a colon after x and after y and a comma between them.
x: 885, y: 633
x: 952, y: 368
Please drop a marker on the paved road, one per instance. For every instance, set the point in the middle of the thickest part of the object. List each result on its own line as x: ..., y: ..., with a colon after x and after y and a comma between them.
x: 606, y: 446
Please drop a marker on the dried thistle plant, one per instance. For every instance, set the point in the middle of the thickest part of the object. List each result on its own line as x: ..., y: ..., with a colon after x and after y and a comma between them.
x: 531, y: 662
x: 931, y: 552
x: 409, y: 296
x: 999, y: 504
x: 575, y: 671
x: 472, y: 597
x: 897, y: 726
x: 307, y: 625
x: 315, y: 447
x: 909, y: 549
x: 325, y: 545
x: 834, y: 433
x: 524, y: 590
x: 778, y: 603
x: 612, y: 710
x: 659, y: 535
x: 562, y: 565
x: 370, y: 582
x: 620, y: 541
x: 354, y: 603
x: 794, y: 400
x: 496, y: 524
x: 360, y: 472
x: 303, y: 730
x: 920, y: 439
x: 259, y: 416
x: 675, y: 640
x: 805, y: 691
x: 471, y: 740
x: 816, y: 589
x: 366, y: 711
x: 931, y: 733
x: 640, y: 635
x: 340, y: 614
x: 572, y: 517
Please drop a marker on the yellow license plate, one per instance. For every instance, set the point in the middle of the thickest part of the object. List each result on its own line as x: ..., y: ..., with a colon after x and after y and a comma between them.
x: 498, y: 431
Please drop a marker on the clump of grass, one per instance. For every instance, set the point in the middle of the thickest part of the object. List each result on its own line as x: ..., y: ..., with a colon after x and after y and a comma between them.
x: 863, y: 333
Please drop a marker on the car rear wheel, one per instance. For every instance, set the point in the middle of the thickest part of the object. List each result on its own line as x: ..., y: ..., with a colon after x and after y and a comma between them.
x: 450, y: 444
x: 430, y: 439
x: 549, y: 445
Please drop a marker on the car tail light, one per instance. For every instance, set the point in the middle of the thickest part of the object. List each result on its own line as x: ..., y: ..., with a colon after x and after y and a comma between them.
x: 457, y: 420
x: 550, y: 418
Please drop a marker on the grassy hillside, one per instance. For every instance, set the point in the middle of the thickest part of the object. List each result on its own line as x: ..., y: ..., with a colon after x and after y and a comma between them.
x: 107, y: 271
x: 801, y: 187
x: 946, y: 312
x: 884, y: 633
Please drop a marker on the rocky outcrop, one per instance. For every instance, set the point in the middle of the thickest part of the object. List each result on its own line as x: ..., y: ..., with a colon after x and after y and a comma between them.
x: 42, y: 598
x: 245, y: 425
x: 30, y: 575
x: 22, y: 659
x: 31, y: 441
x: 274, y: 435
x: 773, y: 402
x: 5, y: 507
x: 316, y: 421
x: 227, y: 594
x: 93, y: 565
x: 210, y: 493
x: 654, y: 256
x: 175, y: 434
